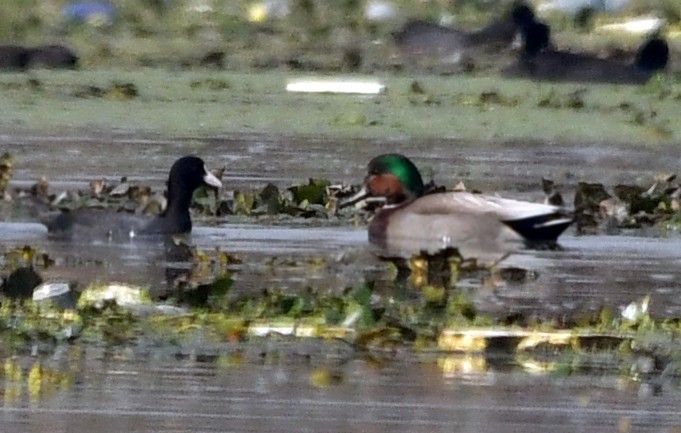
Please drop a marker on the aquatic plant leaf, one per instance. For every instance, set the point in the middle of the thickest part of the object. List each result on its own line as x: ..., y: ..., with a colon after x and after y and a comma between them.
x: 243, y: 203
x: 634, y: 196
x: 324, y: 378
x: 315, y: 192
x: 6, y: 171
x: 493, y: 97
x: 333, y: 310
x: 416, y: 87
x: 210, y: 84
x: 123, y: 295
x: 205, y: 200
x: 123, y: 91
x: 271, y: 199
x: 207, y: 295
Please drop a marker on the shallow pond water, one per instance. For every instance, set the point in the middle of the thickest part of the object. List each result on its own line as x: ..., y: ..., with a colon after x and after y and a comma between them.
x: 153, y: 394
x: 158, y: 393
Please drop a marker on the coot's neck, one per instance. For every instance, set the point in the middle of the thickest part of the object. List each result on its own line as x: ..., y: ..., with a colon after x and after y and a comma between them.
x: 177, y: 209
x: 178, y: 199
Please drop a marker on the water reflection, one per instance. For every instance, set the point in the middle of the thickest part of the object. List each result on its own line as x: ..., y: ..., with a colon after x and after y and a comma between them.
x: 152, y: 393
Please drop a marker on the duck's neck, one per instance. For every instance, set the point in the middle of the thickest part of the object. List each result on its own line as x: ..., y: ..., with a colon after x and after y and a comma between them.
x: 403, y: 197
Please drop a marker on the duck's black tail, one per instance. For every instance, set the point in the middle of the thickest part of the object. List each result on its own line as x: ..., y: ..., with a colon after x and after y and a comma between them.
x: 542, y: 228
x: 653, y: 55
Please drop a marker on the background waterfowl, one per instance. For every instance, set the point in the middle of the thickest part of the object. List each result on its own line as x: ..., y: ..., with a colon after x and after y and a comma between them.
x: 52, y: 56
x: 186, y: 175
x: 14, y: 57
x: 419, y: 39
x: 539, y: 61
x: 19, y: 58
x: 473, y: 223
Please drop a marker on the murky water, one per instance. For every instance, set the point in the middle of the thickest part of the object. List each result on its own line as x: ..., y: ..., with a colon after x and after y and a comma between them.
x: 180, y: 395
x: 253, y: 161
x: 158, y: 393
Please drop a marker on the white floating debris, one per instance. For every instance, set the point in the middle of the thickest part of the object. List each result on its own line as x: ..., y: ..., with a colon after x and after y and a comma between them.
x: 313, y: 328
x: 637, y: 25
x: 51, y: 290
x: 291, y: 329
x: 58, y: 293
x: 636, y: 311
x: 320, y: 85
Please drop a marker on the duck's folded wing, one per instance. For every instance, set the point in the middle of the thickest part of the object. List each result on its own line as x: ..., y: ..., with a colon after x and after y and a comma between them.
x: 533, y: 221
x: 467, y: 203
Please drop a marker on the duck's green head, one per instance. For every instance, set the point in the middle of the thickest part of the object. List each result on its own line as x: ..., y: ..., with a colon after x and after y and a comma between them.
x: 394, y: 177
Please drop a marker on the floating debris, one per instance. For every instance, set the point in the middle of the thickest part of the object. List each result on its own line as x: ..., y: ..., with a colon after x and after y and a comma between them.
x: 59, y: 294
x: 630, y: 206
x: 349, y: 86
x: 553, y: 197
x: 310, y: 328
x: 635, y: 312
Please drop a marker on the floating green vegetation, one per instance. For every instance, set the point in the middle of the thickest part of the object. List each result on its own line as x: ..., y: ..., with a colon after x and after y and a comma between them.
x: 317, y: 198
x: 424, y: 311
x: 628, y: 206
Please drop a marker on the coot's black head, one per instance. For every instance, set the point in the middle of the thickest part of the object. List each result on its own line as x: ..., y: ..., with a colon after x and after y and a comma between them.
x: 187, y: 174
x: 653, y: 55
x: 522, y: 14
x: 536, y: 37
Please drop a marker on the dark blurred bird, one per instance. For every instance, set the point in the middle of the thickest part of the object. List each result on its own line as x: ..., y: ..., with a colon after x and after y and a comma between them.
x: 539, y: 61
x: 419, y: 39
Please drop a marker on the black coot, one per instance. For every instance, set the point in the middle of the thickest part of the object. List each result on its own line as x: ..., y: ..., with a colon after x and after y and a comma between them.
x: 419, y: 39
x: 541, y: 62
x: 186, y: 175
